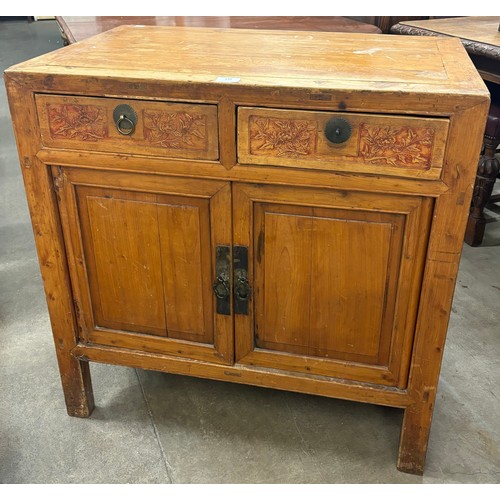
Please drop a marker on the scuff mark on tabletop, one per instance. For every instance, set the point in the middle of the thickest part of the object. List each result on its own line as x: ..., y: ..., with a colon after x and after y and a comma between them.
x: 370, y: 51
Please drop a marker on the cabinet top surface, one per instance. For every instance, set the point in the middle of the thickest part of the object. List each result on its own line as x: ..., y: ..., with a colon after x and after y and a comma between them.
x: 264, y: 58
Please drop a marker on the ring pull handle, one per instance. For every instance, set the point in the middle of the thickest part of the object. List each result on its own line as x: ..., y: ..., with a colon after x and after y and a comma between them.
x: 242, y: 289
x: 125, y: 119
x: 221, y: 286
x: 125, y: 125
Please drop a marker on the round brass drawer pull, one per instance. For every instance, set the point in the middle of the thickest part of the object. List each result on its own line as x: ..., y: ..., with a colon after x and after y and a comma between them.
x: 125, y: 119
x: 338, y: 130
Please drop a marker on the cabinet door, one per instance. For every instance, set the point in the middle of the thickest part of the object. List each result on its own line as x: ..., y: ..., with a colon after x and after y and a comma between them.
x: 141, y: 251
x: 335, y: 278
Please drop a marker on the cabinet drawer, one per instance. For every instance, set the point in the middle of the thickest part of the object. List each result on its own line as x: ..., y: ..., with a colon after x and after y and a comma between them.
x: 176, y: 130
x: 378, y: 144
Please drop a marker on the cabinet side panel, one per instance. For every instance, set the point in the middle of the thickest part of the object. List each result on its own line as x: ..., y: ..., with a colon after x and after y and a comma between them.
x: 75, y: 374
x: 443, y: 258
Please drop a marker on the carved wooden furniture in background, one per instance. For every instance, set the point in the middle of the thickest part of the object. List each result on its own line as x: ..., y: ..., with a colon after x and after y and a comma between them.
x: 479, y: 35
x: 481, y: 39
x: 385, y: 22
x: 283, y: 209
x: 487, y: 171
x: 76, y: 28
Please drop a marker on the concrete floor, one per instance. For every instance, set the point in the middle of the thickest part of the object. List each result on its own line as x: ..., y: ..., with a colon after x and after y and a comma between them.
x: 157, y: 428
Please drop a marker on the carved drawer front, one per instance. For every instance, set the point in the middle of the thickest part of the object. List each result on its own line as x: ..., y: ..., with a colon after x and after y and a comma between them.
x: 381, y: 144
x: 176, y: 130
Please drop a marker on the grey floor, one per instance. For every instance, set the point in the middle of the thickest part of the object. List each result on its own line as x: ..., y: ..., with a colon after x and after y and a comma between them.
x: 157, y: 428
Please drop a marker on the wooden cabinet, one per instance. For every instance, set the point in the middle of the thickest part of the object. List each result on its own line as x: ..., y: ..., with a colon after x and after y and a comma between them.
x: 253, y: 206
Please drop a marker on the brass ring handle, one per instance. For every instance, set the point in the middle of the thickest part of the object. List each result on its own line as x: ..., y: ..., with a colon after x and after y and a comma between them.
x: 242, y: 289
x: 125, y: 119
x: 221, y: 286
x: 127, y: 130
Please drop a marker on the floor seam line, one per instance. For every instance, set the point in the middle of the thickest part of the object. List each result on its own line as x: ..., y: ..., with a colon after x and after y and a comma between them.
x: 168, y: 467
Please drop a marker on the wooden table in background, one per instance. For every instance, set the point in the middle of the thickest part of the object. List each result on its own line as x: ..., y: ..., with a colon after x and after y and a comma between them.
x: 479, y: 35
x: 76, y: 28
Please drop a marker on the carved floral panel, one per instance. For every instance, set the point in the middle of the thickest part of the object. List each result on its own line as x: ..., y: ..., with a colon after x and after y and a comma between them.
x: 396, y: 146
x: 175, y: 130
x: 78, y: 122
x: 284, y: 138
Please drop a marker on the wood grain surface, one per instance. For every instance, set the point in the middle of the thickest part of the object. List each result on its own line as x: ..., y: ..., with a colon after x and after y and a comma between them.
x: 315, y: 60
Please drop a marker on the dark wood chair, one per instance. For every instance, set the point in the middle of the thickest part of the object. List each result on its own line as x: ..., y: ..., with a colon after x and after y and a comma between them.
x: 487, y: 171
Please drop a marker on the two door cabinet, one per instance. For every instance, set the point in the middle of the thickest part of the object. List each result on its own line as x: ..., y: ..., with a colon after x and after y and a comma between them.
x: 262, y: 207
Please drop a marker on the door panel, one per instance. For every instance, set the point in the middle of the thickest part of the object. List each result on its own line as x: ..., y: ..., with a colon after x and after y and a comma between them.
x: 354, y: 273
x: 331, y: 286
x: 185, y: 249
x: 283, y: 312
x: 123, y: 257
x: 317, y: 270
x: 141, y: 257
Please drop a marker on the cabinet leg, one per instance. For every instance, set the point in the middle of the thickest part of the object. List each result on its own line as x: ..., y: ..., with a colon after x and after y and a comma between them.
x: 77, y: 385
x: 414, y: 438
x: 487, y: 172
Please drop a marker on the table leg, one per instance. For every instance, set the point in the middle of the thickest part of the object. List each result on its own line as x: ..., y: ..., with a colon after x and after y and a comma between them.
x: 77, y: 385
x: 414, y: 438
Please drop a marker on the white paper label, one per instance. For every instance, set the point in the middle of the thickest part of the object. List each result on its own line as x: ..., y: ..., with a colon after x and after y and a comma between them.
x: 227, y: 79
